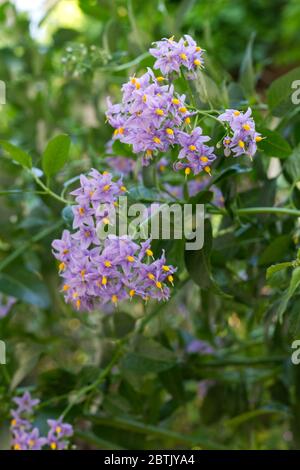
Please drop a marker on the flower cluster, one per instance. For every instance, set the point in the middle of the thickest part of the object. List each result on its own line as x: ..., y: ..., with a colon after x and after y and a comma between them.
x: 242, y: 137
x: 27, y: 437
x: 153, y: 117
x: 197, y: 155
x: 171, y: 55
x: 6, y: 303
x: 149, y: 116
x: 117, y: 268
x: 59, y: 434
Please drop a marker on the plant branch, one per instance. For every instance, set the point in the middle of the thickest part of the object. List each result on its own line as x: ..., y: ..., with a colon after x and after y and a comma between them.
x: 48, y: 190
x: 259, y: 210
x: 102, y: 376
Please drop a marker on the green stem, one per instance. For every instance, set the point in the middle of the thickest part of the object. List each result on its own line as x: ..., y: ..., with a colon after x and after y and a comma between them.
x: 45, y: 404
x: 133, y: 25
x: 102, y: 376
x: 19, y: 191
x: 268, y: 210
x: 6, y: 374
x: 258, y: 210
x: 132, y: 63
x: 48, y: 190
x: 156, y: 431
x: 208, y: 114
x: 91, y: 438
x: 242, y: 362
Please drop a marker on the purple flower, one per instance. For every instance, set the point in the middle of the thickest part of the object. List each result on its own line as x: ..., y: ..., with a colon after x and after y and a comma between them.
x: 162, y: 164
x: 149, y: 116
x: 59, y: 433
x: 242, y: 137
x: 171, y: 55
x: 26, y: 403
x: 121, y: 165
x: 86, y: 235
x: 192, y: 142
x: 6, y: 303
x: 19, y: 421
x: 204, y: 386
x: 199, y: 346
x: 176, y: 191
x: 34, y: 441
x: 96, y: 273
x: 198, y: 156
x: 25, y: 437
x: 63, y: 246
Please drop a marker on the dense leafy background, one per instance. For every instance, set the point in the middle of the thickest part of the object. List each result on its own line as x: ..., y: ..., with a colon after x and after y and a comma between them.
x: 151, y: 398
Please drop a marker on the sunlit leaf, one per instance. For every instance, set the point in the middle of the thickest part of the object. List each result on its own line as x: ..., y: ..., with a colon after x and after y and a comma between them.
x: 56, y: 154
x: 17, y: 154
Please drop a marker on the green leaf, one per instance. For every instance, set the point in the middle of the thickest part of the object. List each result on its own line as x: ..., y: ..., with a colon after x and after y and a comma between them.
x: 173, y: 382
x: 149, y: 175
x: 294, y: 284
x: 274, y: 145
x: 279, y: 94
x: 198, y: 261
x: 292, y: 165
x: 123, y: 323
x: 199, y: 267
x: 128, y: 424
x: 140, y: 193
x: 275, y: 251
x: 121, y: 149
x: 254, y: 414
x: 230, y: 171
x: 203, y: 197
x: 93, y: 9
x: 207, y: 89
x: 31, y: 291
x: 275, y: 268
x: 56, y: 154
x: 236, y: 95
x: 143, y: 365
x: 27, y: 357
x: 149, y: 356
x: 17, y: 154
x: 247, y: 75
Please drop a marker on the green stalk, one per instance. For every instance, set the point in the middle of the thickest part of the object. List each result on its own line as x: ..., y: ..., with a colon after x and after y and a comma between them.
x: 243, y: 361
x: 268, y: 210
x: 48, y: 190
x: 258, y: 210
x: 102, y: 376
x: 156, y: 431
